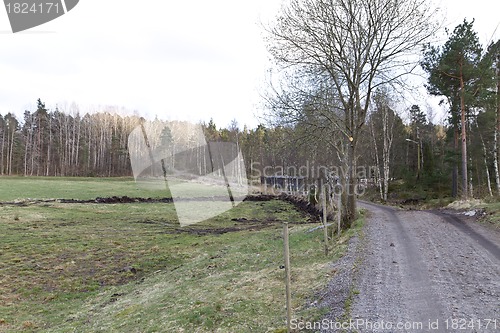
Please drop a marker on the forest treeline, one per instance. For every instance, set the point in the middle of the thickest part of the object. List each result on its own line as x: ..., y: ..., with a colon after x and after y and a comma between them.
x: 62, y: 143
x: 421, y: 154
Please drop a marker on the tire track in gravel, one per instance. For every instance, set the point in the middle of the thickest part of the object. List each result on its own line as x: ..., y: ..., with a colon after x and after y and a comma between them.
x: 419, y: 268
x: 440, y: 268
x: 393, y: 283
x: 482, y: 240
x: 463, y: 265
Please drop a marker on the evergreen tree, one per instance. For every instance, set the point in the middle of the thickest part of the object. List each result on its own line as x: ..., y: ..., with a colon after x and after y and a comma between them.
x: 454, y: 72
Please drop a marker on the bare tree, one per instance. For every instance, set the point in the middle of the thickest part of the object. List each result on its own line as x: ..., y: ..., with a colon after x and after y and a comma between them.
x: 497, y: 127
x: 355, y: 46
x: 377, y: 161
x: 2, y: 150
x: 11, y: 125
x: 385, y: 117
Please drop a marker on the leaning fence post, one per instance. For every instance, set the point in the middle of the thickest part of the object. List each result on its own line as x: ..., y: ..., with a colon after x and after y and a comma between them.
x: 339, y: 212
x: 287, y: 278
x: 325, y: 228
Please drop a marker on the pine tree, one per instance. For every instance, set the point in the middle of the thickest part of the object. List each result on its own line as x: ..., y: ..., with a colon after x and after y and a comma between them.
x: 454, y: 72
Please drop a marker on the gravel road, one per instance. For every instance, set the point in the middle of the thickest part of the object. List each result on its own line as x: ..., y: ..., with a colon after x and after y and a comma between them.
x: 418, y: 271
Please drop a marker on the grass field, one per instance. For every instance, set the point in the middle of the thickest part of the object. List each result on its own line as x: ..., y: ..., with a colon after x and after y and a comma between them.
x: 83, y: 188
x: 132, y: 268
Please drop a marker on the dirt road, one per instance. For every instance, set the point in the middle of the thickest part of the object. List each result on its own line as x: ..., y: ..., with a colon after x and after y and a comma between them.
x: 422, y: 272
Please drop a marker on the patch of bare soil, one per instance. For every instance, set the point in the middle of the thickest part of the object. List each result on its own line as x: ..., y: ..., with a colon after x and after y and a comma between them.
x: 174, y: 228
x: 304, y: 205
x: 111, y: 200
x: 106, y: 200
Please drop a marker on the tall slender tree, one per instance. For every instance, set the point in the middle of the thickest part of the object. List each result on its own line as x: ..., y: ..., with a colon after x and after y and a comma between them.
x: 347, y: 48
x: 385, y: 119
x: 454, y: 72
x: 490, y: 65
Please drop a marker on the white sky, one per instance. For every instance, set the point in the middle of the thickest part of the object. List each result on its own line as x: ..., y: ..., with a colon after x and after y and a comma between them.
x: 189, y: 60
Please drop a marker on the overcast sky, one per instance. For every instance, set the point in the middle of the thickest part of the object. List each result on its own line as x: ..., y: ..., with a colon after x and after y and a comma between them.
x: 189, y: 60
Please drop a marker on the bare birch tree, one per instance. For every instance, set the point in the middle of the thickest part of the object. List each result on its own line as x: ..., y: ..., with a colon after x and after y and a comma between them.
x: 356, y: 45
x: 386, y: 119
x: 2, y: 149
x: 497, y: 127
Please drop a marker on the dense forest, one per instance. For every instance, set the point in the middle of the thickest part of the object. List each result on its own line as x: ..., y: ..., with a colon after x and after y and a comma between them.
x: 63, y: 143
x: 397, y: 145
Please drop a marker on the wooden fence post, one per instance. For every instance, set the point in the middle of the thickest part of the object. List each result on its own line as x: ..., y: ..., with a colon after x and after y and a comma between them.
x: 287, y: 278
x: 325, y: 228
x: 339, y: 212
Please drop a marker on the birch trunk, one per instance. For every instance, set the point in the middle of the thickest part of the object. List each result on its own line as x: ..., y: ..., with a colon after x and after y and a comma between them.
x: 497, y: 128
x: 495, y: 159
x: 377, y: 162
x: 3, y: 152
x: 486, y: 165
x: 388, y: 137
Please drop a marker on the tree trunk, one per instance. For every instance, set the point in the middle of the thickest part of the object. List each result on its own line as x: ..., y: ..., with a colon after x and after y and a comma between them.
x: 485, y: 159
x: 377, y: 162
x: 11, y: 150
x: 454, y: 190
x: 350, y: 211
x: 78, y: 133
x: 49, y: 147
x: 3, y: 151
x: 387, y: 136
x: 497, y: 128
x: 7, y: 168
x: 495, y: 160
x: 464, y: 139
x: 26, y: 145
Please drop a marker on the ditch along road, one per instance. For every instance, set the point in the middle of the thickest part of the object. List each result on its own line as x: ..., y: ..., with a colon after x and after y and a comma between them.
x: 418, y: 271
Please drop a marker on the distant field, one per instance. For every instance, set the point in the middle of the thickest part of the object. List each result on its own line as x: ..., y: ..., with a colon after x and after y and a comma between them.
x: 132, y: 268
x: 12, y: 188
x: 87, y: 188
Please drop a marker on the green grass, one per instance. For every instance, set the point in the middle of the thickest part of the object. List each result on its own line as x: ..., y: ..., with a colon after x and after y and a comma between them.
x: 82, y: 188
x: 86, y: 188
x: 132, y: 268
x: 356, y: 230
x: 490, y: 206
x: 492, y: 209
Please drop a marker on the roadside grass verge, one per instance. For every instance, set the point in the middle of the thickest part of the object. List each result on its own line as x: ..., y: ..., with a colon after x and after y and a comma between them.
x: 356, y: 230
x: 132, y: 268
x: 408, y: 196
x: 492, y: 210
x: 489, y: 206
